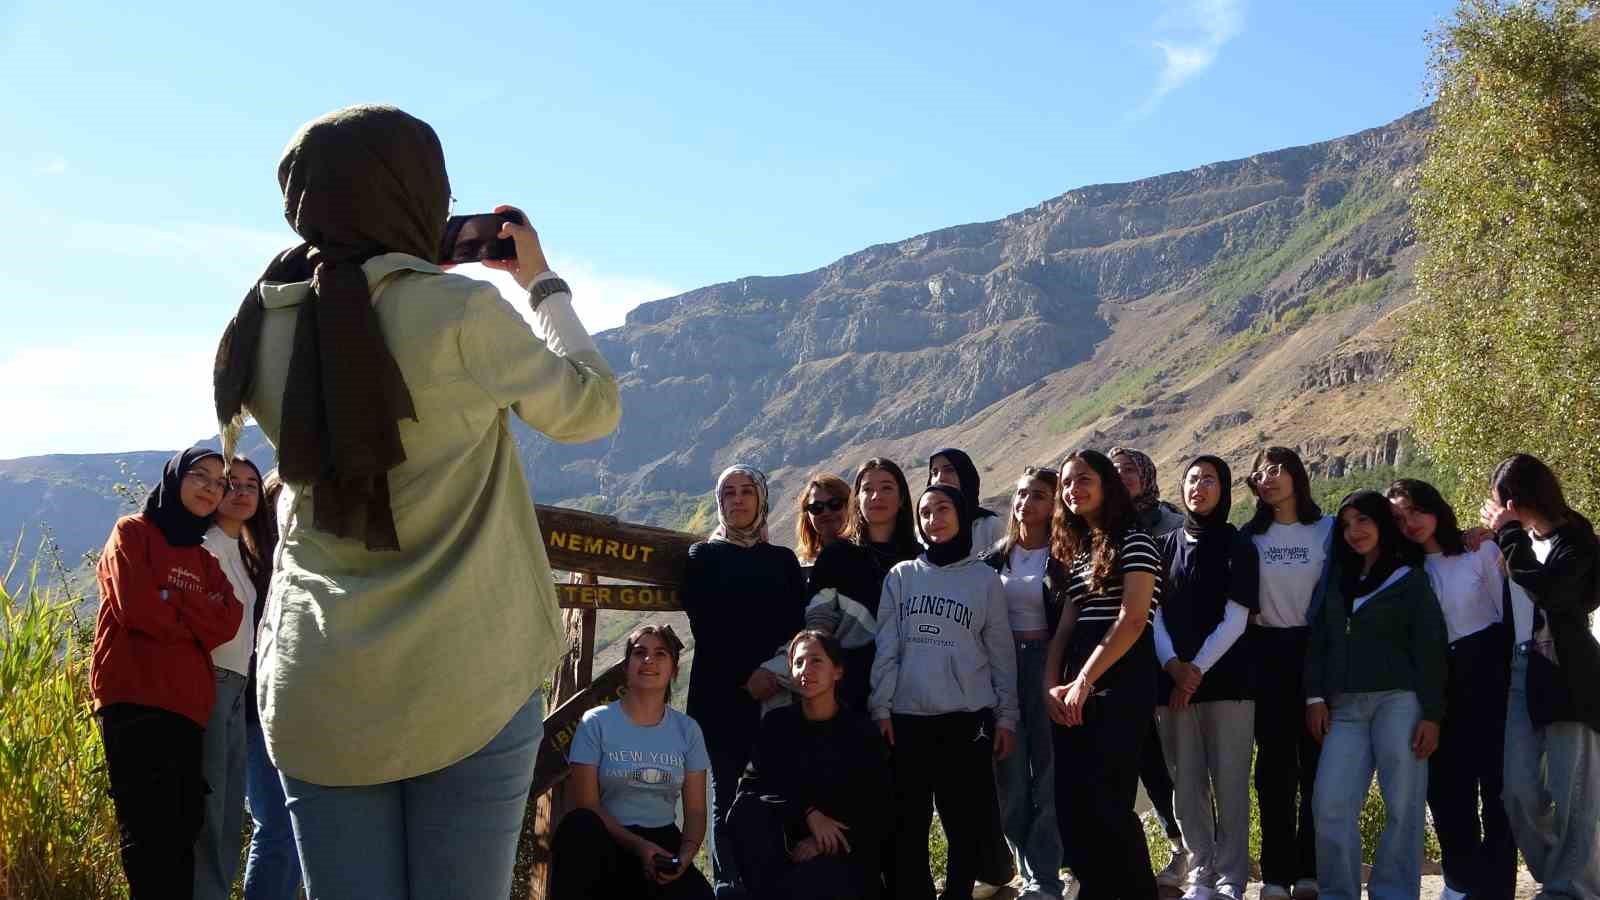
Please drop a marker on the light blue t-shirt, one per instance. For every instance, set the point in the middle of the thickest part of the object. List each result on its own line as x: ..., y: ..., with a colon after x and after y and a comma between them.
x: 641, y: 768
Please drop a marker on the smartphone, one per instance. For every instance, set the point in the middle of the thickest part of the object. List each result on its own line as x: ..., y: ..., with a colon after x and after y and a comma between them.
x: 475, y: 238
x: 665, y: 863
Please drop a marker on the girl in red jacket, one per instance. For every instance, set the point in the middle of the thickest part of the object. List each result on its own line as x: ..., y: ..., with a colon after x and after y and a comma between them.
x: 165, y: 604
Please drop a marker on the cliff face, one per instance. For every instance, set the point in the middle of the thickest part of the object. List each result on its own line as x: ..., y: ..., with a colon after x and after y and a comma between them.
x: 1110, y: 313
x: 1217, y: 309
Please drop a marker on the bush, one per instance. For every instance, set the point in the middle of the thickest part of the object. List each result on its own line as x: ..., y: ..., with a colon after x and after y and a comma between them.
x: 58, y: 832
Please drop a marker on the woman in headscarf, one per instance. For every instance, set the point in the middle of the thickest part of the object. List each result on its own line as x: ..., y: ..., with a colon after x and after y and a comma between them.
x: 238, y: 532
x: 165, y: 604
x: 745, y: 598
x: 1204, y: 706
x: 413, y: 616
x: 944, y: 695
x: 1138, y: 473
x: 954, y: 468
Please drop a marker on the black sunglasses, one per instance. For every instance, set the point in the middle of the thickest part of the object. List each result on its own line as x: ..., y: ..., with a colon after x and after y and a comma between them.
x: 832, y: 505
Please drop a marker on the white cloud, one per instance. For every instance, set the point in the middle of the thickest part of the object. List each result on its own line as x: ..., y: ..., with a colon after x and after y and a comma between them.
x: 106, y: 394
x: 54, y: 166
x: 1197, y: 31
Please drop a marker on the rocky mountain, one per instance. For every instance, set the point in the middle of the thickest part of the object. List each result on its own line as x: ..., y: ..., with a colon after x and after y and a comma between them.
x: 1220, y: 308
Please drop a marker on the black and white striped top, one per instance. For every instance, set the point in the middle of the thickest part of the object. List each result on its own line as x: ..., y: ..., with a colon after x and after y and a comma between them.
x: 1138, y: 553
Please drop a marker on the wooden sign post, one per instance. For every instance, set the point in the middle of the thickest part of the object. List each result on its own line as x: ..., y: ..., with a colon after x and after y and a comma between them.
x: 650, y: 562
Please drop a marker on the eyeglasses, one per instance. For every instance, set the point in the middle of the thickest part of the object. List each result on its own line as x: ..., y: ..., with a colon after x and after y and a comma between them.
x: 831, y: 505
x: 1205, y: 481
x: 203, y: 480
x: 1261, y: 475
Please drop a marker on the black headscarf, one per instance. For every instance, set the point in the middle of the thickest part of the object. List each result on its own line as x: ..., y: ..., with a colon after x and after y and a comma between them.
x: 357, y: 183
x: 970, y: 482
x: 957, y: 548
x: 1215, y: 521
x: 1394, y: 550
x: 165, y: 506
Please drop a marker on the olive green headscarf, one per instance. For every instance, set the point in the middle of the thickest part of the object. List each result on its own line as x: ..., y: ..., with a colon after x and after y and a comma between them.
x: 357, y: 182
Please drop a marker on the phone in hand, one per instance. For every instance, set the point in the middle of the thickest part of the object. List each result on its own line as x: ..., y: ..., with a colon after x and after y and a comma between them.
x: 475, y: 238
x: 665, y: 863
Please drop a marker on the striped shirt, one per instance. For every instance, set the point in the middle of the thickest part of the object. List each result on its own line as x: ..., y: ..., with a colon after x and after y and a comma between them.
x: 1138, y: 553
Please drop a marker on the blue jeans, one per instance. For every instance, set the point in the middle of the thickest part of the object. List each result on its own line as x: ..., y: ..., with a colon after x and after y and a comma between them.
x: 272, y: 868
x: 1370, y: 730
x: 216, y: 851
x: 1028, y: 783
x: 1551, y: 792
x: 444, y: 835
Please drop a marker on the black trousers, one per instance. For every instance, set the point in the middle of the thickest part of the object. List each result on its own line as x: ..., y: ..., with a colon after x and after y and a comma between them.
x: 1097, y: 774
x: 153, y: 757
x: 1157, y: 780
x: 946, y: 759
x: 1479, y: 858
x: 758, y: 831
x: 587, y: 862
x: 1286, y: 755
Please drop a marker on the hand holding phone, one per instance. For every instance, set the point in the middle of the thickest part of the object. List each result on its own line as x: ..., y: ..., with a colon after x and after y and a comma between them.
x: 477, y: 237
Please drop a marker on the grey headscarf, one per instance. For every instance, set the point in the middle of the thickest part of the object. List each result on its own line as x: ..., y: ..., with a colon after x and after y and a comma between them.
x: 756, y: 533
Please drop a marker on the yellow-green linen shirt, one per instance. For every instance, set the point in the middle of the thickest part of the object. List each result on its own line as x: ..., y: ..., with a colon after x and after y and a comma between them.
x: 378, y: 666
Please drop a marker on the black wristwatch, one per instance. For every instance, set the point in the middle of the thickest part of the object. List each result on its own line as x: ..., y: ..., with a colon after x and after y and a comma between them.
x: 542, y: 289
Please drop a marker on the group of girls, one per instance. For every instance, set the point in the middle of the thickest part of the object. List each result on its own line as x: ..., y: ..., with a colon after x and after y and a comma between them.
x: 182, y: 586
x: 1383, y: 639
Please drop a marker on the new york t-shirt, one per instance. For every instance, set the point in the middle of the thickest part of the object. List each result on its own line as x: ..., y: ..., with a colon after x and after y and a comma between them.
x: 1292, y: 558
x: 641, y: 767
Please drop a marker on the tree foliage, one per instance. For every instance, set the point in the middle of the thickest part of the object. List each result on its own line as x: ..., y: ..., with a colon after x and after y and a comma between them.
x: 1502, y: 353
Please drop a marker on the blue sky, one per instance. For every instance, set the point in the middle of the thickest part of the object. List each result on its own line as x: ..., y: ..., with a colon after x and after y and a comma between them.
x: 658, y: 149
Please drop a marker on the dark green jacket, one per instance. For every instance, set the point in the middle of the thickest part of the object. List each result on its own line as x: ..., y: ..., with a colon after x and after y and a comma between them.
x: 1396, y: 641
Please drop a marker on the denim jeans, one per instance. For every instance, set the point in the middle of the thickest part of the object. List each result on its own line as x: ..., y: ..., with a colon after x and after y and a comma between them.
x: 441, y: 836
x: 1551, y: 791
x: 1370, y: 730
x: 272, y: 868
x: 216, y: 851
x: 1208, y: 746
x: 1027, y: 780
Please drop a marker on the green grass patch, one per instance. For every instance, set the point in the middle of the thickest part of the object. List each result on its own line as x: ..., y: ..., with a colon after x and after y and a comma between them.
x: 1120, y: 388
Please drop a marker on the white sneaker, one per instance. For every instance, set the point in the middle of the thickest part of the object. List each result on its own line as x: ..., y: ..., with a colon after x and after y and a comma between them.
x: 1229, y: 892
x: 1271, y: 891
x: 982, y: 890
x: 1176, y: 871
x: 1450, y: 893
x: 1306, y: 889
x: 1198, y: 892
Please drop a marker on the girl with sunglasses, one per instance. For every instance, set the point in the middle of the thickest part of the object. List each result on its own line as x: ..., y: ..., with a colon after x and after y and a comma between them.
x: 165, y: 604
x: 1294, y: 551
x: 238, y: 529
x: 820, y: 515
x: 1035, y: 588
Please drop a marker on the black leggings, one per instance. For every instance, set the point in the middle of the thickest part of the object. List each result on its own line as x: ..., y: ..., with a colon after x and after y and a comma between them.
x: 1097, y: 774
x: 1286, y: 755
x: 158, y: 789
x: 949, y: 760
x: 587, y: 862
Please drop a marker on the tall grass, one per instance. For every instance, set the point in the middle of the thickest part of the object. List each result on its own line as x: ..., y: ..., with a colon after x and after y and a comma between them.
x: 58, y: 833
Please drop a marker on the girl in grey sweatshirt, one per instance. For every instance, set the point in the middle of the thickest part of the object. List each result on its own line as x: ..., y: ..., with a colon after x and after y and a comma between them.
x: 944, y: 693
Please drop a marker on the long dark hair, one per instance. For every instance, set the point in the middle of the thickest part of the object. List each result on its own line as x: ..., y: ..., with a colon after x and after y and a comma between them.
x: 259, y: 535
x: 1394, y: 550
x: 1426, y: 498
x: 1071, y: 538
x: 1306, y: 510
x: 807, y: 542
x: 905, y: 526
x: 1527, y: 481
x: 674, y: 649
x: 1013, y: 528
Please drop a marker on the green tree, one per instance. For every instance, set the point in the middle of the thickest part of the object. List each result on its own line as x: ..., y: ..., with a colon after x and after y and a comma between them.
x: 1502, y: 353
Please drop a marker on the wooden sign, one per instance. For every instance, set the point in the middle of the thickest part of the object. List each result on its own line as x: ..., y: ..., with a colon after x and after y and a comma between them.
x: 578, y: 541
x: 560, y: 725
x: 635, y: 597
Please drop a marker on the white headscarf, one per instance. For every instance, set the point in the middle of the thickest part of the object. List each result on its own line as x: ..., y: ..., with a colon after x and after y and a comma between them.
x: 756, y: 533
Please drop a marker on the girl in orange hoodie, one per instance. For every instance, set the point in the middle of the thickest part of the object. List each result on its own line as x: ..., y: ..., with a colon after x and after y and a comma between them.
x: 165, y: 604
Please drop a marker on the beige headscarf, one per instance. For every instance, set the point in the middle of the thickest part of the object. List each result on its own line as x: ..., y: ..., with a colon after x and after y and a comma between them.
x: 756, y: 532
